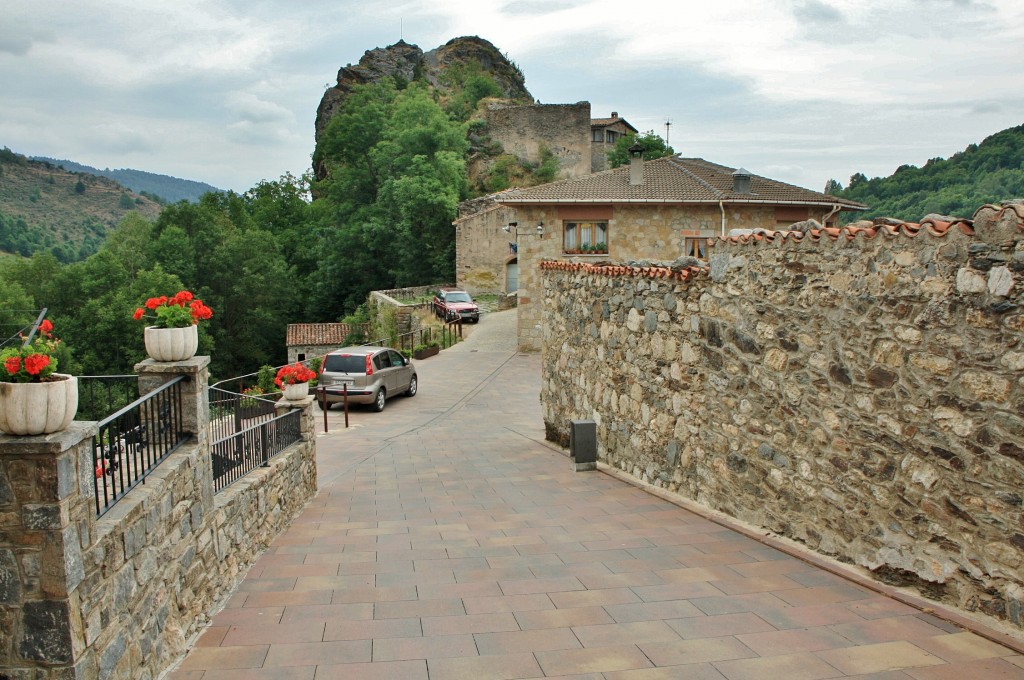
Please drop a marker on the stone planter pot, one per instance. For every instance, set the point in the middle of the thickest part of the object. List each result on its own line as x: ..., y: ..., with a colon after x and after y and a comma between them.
x: 425, y: 352
x: 296, y: 391
x: 38, y: 408
x: 172, y: 344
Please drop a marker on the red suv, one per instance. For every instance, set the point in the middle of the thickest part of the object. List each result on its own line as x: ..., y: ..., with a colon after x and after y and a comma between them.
x: 451, y: 304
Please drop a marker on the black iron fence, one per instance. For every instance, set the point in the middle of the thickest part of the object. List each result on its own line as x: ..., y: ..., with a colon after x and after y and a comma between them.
x: 130, y: 443
x: 245, y: 433
x: 101, y: 395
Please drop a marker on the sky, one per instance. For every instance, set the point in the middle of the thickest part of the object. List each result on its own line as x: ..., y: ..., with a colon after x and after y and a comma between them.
x: 226, y: 91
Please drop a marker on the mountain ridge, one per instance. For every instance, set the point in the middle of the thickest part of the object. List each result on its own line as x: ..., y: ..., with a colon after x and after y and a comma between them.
x: 168, y: 188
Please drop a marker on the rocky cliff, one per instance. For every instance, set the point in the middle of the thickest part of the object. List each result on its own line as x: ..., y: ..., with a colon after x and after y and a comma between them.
x: 406, y: 62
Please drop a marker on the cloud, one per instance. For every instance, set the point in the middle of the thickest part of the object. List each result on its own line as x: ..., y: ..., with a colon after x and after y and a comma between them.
x: 17, y: 36
x: 817, y: 12
x: 251, y: 109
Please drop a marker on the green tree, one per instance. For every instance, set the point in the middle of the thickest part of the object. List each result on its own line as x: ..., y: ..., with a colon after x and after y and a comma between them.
x: 833, y: 187
x: 653, y: 146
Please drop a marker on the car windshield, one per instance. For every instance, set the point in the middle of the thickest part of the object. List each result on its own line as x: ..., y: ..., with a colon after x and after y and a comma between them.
x: 458, y: 297
x: 345, y: 363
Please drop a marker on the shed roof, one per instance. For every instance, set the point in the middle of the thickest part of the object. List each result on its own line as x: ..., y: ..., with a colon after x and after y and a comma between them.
x: 317, y: 334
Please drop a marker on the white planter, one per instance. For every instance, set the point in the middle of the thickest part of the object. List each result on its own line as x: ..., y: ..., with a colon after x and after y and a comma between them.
x: 38, y: 408
x: 296, y: 391
x: 172, y: 344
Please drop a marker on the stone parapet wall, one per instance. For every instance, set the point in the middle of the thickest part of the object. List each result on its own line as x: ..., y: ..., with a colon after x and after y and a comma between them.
x: 123, y: 595
x: 859, y: 390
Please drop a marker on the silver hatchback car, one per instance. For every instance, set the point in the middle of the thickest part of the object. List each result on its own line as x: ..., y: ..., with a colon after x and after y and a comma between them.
x: 370, y: 375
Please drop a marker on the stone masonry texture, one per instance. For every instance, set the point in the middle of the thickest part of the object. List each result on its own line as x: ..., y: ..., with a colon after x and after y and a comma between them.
x: 857, y: 390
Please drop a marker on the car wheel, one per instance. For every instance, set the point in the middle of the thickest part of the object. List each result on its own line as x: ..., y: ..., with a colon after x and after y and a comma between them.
x: 378, y: 402
x: 413, y: 386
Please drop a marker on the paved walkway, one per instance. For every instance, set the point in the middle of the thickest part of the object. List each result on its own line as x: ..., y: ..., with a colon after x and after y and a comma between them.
x: 449, y: 541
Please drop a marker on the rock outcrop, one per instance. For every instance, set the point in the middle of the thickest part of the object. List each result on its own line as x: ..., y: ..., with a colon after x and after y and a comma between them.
x: 406, y: 62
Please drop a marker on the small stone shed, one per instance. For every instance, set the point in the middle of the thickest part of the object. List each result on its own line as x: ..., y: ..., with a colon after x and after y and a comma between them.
x: 311, y: 340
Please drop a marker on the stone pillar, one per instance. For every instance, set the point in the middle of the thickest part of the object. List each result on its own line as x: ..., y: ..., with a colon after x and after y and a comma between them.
x: 46, y: 500
x: 195, y: 403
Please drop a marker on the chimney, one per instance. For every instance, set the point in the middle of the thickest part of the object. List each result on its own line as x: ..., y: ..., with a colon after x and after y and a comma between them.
x: 615, y: 114
x: 636, y: 165
x: 741, y: 181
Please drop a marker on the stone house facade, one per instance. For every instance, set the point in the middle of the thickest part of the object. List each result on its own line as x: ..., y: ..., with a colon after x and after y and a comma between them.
x: 662, y: 209
x: 604, y: 133
x: 857, y: 390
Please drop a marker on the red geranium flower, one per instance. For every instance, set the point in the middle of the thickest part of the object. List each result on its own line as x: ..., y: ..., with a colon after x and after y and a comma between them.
x: 13, y: 365
x: 45, y: 327
x: 35, y: 363
x: 139, y: 312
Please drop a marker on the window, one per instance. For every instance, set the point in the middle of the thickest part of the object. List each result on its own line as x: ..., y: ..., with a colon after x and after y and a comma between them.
x: 695, y: 247
x: 301, y: 357
x: 597, y: 135
x: 585, y: 237
x: 612, y: 136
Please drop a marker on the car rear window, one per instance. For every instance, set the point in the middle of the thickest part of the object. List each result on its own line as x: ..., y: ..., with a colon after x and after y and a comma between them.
x: 345, y: 363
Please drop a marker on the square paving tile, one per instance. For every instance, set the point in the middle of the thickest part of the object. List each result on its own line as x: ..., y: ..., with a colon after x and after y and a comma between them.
x: 787, y: 666
x: 495, y: 667
x: 886, y: 656
x: 698, y: 627
x: 319, y: 653
x: 437, y: 646
x: 591, y: 660
x: 695, y: 651
x: 526, y: 641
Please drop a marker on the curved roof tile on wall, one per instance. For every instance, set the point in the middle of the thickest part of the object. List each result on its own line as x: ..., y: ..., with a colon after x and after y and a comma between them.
x: 882, y: 226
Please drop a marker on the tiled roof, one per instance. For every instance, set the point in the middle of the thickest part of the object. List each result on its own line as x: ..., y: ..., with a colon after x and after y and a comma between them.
x: 605, y: 122
x: 317, y: 334
x: 672, y: 180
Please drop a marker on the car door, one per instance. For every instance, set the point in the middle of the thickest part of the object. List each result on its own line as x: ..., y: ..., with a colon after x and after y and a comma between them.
x: 398, y: 373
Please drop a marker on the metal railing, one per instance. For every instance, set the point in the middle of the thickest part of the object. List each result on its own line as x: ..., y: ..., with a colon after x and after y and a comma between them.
x: 245, y: 434
x: 129, y: 444
x: 101, y: 395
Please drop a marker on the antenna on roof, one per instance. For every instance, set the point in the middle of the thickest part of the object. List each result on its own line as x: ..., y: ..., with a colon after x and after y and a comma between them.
x: 668, y: 123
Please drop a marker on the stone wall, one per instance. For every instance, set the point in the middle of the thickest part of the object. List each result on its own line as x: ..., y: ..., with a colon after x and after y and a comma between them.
x: 859, y: 390
x: 123, y: 595
x: 563, y: 128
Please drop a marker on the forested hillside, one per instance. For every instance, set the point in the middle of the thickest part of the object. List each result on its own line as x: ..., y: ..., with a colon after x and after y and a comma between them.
x: 44, y: 208
x: 168, y: 189
x: 989, y: 172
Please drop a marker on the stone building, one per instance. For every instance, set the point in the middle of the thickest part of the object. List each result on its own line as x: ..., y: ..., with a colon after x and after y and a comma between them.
x: 604, y: 133
x: 524, y: 130
x: 311, y: 340
x: 661, y: 209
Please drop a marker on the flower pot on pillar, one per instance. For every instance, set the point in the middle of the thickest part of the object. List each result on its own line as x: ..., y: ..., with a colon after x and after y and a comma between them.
x: 172, y: 344
x: 38, y: 407
x: 296, y: 391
